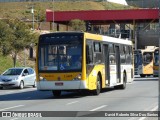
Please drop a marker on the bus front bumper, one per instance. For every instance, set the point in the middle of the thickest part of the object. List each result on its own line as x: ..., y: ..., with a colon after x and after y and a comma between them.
x: 61, y: 85
x: 156, y: 73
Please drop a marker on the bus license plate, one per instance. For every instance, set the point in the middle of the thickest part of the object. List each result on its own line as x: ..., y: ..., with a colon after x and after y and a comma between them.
x: 59, y: 83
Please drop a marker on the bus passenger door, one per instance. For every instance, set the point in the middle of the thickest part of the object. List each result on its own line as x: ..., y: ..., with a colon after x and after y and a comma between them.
x: 118, y: 66
x: 107, y: 64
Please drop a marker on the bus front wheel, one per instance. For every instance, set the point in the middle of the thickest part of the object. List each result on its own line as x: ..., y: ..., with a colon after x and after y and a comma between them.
x: 98, y: 89
x: 56, y: 93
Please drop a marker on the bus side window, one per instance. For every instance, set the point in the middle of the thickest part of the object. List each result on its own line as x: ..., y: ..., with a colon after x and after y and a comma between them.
x: 89, y: 55
x: 127, y: 54
x: 111, y: 54
x: 97, y: 52
x: 122, y: 55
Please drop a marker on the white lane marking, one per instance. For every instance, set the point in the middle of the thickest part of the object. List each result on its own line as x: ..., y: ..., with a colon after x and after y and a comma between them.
x: 131, y: 118
x: 151, y: 78
x: 9, y: 92
x: 18, y: 91
x: 154, y: 109
x: 14, y: 119
x: 71, y: 102
x: 142, y: 118
x: 98, y: 108
x: 11, y: 107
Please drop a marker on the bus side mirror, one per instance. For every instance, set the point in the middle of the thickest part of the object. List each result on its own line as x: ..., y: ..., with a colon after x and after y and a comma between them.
x: 31, y: 57
x: 31, y: 52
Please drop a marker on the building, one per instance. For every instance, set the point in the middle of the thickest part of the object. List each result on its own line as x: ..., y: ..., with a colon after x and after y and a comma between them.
x: 143, y: 3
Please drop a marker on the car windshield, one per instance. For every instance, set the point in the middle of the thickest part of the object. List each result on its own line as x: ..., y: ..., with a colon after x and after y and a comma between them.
x: 13, y: 72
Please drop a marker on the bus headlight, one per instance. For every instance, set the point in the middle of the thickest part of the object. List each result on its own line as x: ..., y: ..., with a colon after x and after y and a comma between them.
x: 42, y: 78
x: 78, y: 77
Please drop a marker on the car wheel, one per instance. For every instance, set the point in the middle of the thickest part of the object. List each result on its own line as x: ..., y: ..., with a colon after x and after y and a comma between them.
x: 21, y: 85
x: 35, y: 84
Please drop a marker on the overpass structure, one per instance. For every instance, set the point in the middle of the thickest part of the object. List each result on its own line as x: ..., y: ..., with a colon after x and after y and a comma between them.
x: 104, y: 17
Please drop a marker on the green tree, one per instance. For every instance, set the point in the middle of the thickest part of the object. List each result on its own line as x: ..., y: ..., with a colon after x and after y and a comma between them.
x: 6, y: 35
x: 77, y: 24
x: 22, y: 38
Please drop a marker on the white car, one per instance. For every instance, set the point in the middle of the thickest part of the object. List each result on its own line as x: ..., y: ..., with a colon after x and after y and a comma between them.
x: 18, y: 77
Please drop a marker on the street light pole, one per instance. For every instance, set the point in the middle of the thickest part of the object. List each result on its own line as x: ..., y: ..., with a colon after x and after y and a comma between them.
x: 32, y: 11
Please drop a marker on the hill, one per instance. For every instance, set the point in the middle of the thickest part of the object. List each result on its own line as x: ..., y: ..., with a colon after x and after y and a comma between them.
x: 22, y: 10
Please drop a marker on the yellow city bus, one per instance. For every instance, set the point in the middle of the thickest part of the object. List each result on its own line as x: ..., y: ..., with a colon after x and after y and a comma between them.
x: 143, y: 61
x: 73, y: 61
x: 156, y: 63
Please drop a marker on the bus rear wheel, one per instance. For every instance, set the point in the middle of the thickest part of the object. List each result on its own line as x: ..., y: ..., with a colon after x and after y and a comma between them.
x: 123, y: 86
x: 98, y: 89
x: 142, y: 75
x: 56, y: 93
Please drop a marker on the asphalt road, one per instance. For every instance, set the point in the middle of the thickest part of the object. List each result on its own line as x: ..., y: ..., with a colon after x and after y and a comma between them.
x: 140, y: 95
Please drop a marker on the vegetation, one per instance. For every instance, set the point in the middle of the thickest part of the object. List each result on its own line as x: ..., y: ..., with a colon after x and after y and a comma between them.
x: 77, y: 25
x: 22, y: 10
x: 15, y: 37
x: 5, y: 63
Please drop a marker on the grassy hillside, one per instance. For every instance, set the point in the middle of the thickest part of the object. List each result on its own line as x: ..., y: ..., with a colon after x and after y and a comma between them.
x: 23, y: 9
x: 22, y: 59
x: 6, y: 62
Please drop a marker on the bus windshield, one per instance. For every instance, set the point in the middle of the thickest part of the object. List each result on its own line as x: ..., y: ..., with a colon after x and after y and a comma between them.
x: 156, y: 56
x: 147, y: 58
x: 60, y: 53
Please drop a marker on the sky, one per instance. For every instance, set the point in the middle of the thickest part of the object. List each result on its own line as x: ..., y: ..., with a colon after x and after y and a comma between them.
x: 118, y: 1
